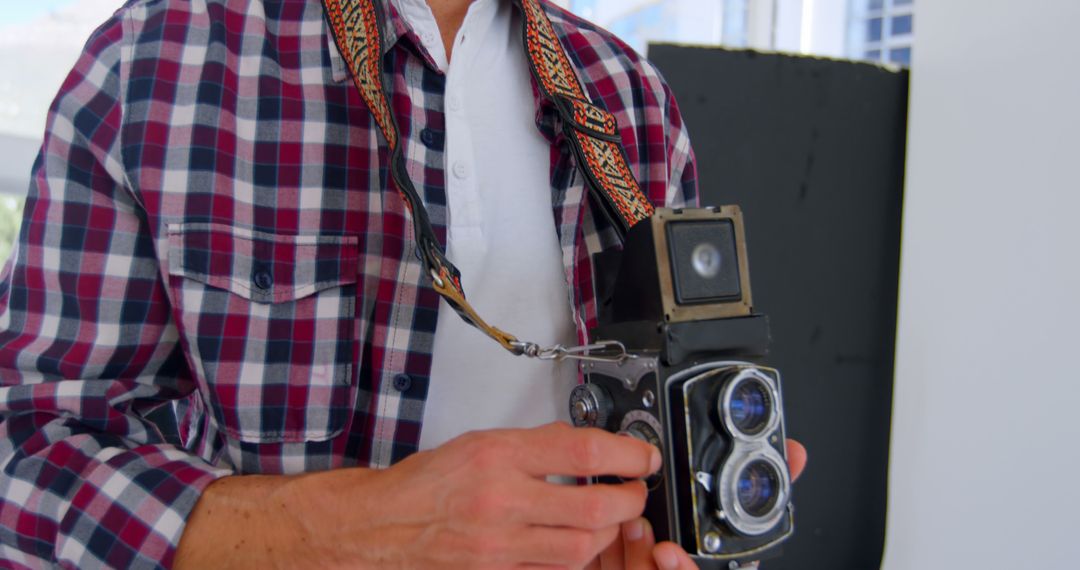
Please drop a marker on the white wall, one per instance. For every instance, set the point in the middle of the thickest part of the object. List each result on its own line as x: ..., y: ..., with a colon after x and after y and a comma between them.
x: 984, y: 459
x: 707, y: 23
x: 814, y: 27
x: 788, y: 30
x: 825, y: 28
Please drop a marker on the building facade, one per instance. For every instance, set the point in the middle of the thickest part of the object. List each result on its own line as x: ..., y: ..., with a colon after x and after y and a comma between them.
x: 871, y: 30
x: 883, y: 31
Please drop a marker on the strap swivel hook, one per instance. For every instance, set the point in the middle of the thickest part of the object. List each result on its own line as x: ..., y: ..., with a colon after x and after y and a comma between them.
x: 604, y: 351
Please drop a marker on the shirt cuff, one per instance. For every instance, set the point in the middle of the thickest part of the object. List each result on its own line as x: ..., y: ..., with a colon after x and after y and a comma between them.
x: 131, y: 507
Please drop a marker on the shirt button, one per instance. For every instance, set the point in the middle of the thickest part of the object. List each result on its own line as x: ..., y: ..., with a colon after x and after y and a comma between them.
x: 427, y: 37
x: 263, y: 279
x: 427, y: 137
x: 402, y: 382
x: 455, y: 103
x: 461, y: 170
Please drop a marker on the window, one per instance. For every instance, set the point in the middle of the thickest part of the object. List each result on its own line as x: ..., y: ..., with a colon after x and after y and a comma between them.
x: 873, y: 30
x: 10, y: 220
x: 901, y: 25
x: 882, y: 30
x: 647, y: 22
x: 901, y: 56
x: 817, y: 27
x: 638, y: 22
x: 39, y: 42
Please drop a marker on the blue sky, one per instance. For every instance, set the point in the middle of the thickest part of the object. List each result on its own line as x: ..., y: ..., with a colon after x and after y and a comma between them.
x: 20, y: 11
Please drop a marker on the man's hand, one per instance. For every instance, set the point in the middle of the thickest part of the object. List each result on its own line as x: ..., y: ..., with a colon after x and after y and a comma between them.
x: 637, y: 549
x: 480, y: 501
x: 796, y: 458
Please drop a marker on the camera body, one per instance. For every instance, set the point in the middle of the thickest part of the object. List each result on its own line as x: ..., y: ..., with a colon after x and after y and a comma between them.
x: 678, y: 298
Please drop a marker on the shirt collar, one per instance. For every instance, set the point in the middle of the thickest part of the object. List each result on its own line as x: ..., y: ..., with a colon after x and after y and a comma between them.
x: 423, y: 30
x: 395, y: 27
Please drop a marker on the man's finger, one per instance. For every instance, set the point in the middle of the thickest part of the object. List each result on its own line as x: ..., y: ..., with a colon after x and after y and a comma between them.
x: 796, y: 456
x: 558, y: 449
x: 612, y: 556
x: 638, y: 544
x: 669, y: 556
x: 561, y: 546
x: 592, y: 507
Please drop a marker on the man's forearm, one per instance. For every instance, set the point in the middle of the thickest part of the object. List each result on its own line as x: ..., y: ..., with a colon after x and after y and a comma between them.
x: 478, y: 500
x: 231, y: 525
x: 278, y: 521
x: 240, y: 522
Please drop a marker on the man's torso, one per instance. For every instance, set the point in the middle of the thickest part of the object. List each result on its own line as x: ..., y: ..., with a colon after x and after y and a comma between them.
x: 286, y: 254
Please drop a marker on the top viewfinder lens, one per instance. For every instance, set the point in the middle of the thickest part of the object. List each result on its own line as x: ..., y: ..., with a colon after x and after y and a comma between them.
x: 750, y: 406
x: 707, y: 260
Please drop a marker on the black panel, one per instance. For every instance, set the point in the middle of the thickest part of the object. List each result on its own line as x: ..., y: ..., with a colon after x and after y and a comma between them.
x: 813, y: 151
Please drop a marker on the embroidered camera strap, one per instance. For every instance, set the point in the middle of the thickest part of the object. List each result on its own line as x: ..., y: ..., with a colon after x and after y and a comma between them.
x: 591, y: 130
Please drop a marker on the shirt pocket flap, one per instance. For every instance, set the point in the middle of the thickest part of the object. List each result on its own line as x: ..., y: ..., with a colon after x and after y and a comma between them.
x: 258, y: 266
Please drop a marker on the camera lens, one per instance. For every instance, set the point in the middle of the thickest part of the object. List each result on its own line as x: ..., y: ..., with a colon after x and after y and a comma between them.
x: 707, y: 260
x: 750, y: 406
x: 754, y: 490
x: 757, y: 488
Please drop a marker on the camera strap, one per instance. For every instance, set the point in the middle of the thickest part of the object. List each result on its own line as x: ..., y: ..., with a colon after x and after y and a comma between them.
x: 592, y: 132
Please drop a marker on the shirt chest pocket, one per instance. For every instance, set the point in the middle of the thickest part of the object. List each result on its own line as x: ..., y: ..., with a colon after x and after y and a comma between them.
x: 269, y: 321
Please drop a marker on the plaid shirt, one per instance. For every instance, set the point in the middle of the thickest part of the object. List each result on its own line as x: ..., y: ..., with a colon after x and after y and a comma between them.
x: 211, y: 224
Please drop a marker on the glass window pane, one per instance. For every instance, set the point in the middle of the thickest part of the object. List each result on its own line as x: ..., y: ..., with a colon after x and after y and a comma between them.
x: 735, y: 23
x: 874, y: 55
x: 10, y: 220
x: 873, y: 30
x: 902, y: 2
x: 900, y: 55
x: 901, y: 25
x: 638, y: 22
x: 584, y: 8
x: 39, y: 42
x: 875, y: 4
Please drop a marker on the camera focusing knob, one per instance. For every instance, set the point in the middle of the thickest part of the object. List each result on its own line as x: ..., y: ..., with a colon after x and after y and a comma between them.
x: 590, y: 406
x: 644, y: 430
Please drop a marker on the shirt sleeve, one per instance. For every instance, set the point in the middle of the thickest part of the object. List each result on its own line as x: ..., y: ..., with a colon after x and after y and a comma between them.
x: 88, y: 347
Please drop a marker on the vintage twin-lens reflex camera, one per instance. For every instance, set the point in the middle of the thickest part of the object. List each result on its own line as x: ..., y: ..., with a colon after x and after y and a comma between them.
x: 678, y: 299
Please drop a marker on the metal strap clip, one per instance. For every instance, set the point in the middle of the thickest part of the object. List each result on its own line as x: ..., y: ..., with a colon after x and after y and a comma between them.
x: 604, y: 351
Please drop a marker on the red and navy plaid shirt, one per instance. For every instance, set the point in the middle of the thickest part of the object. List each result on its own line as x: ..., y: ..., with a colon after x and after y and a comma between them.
x: 211, y: 224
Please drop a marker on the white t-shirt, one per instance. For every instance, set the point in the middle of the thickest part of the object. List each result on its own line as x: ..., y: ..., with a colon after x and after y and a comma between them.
x: 501, y: 234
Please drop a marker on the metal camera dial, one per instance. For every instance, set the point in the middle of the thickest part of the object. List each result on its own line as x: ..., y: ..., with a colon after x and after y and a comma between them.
x: 643, y: 430
x: 644, y: 426
x: 590, y: 406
